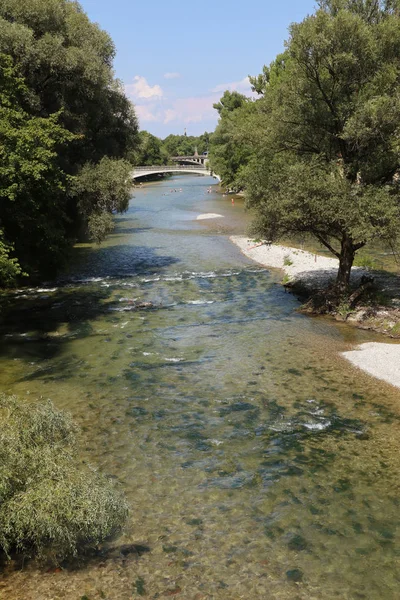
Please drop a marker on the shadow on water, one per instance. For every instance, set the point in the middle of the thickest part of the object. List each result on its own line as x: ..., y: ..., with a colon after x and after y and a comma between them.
x: 118, y: 261
x: 129, y: 231
x: 120, y: 553
x: 128, y: 226
x: 35, y: 324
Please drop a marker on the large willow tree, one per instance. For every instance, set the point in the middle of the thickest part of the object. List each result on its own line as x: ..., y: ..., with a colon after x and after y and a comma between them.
x: 66, y: 128
x: 327, y: 131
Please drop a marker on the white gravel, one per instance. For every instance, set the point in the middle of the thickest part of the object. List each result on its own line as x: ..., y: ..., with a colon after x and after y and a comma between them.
x: 209, y: 216
x: 380, y: 360
x: 297, y: 264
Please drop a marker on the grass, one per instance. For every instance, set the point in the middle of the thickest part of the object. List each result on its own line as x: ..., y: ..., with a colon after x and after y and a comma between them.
x: 365, y: 261
x: 287, y: 261
x: 344, y: 309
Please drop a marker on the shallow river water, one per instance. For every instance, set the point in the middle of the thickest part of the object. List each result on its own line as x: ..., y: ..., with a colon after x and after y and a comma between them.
x: 258, y: 463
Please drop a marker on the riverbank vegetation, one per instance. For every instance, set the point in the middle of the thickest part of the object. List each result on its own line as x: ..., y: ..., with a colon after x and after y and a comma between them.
x: 318, y: 150
x: 155, y: 151
x: 52, y: 504
x: 67, y: 135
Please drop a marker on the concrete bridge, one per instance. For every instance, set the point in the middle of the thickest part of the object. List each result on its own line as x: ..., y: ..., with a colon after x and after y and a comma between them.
x: 199, y: 169
x: 196, y: 159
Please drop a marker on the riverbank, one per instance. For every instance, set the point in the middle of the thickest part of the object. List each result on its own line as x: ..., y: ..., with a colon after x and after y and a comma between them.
x: 379, y: 360
x: 299, y: 266
x: 309, y: 272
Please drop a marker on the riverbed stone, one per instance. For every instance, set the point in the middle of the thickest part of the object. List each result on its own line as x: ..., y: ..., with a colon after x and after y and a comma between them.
x: 295, y: 575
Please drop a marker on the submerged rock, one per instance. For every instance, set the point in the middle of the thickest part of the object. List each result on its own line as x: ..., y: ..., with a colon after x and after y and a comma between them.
x: 294, y: 575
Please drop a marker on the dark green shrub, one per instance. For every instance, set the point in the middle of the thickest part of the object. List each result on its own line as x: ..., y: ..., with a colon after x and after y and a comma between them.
x: 52, y: 505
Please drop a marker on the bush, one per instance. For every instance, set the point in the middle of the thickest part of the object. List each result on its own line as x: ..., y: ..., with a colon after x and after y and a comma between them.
x: 99, y: 226
x: 52, y: 505
x: 365, y: 261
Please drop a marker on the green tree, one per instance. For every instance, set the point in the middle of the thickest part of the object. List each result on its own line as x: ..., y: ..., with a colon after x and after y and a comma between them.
x: 229, y: 102
x: 231, y: 145
x: 203, y: 142
x: 32, y: 184
x: 328, y: 127
x: 179, y: 145
x: 75, y: 114
x: 102, y: 189
x: 151, y: 150
x: 185, y: 145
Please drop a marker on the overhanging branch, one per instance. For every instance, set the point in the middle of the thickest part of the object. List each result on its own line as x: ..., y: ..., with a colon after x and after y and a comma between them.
x: 326, y: 244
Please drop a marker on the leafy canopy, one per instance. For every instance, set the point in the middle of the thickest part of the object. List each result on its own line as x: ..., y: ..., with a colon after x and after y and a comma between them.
x: 61, y: 112
x: 231, y: 147
x: 151, y: 150
x: 326, y: 144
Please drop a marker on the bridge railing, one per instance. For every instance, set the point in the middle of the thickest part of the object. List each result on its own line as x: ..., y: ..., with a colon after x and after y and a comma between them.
x: 198, y: 159
x: 172, y: 167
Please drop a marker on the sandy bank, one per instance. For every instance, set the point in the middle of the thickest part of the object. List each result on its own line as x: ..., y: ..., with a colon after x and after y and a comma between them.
x: 380, y: 360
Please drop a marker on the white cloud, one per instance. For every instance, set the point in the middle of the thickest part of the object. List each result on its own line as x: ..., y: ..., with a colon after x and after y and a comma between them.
x: 141, y: 89
x: 169, y: 115
x: 152, y: 106
x: 181, y: 110
x: 147, y: 113
x: 242, y: 86
x: 191, y: 110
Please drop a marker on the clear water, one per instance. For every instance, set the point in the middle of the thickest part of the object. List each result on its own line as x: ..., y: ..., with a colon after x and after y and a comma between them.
x: 258, y: 463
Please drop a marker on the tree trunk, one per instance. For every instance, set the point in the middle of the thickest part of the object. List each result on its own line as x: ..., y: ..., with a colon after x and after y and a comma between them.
x: 345, y: 263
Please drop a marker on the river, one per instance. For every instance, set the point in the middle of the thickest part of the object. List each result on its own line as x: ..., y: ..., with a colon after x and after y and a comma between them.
x: 258, y: 462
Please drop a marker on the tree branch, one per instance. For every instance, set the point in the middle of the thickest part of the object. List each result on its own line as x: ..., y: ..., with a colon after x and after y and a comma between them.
x: 326, y: 244
x: 359, y: 245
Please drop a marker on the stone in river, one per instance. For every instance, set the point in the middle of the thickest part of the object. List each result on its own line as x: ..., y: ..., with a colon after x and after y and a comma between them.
x: 294, y: 575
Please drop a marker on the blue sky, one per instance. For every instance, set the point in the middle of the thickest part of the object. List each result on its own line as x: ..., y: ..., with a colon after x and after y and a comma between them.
x: 176, y: 58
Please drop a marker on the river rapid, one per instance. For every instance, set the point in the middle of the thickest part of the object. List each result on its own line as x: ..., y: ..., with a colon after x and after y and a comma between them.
x: 258, y: 463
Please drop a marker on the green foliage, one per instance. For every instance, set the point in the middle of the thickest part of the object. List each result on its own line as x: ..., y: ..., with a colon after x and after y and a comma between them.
x: 182, y: 145
x: 52, y: 505
x: 32, y: 184
x: 326, y: 145
x: 365, y: 261
x: 61, y: 113
x: 102, y: 189
x: 270, y: 74
x: 344, y: 308
x: 151, y: 150
x: 287, y: 261
x: 232, y: 146
x: 370, y: 10
x: 9, y: 267
x: 99, y: 226
x: 229, y: 102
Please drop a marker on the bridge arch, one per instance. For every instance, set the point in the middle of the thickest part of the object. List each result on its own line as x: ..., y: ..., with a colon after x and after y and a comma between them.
x: 155, y: 170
